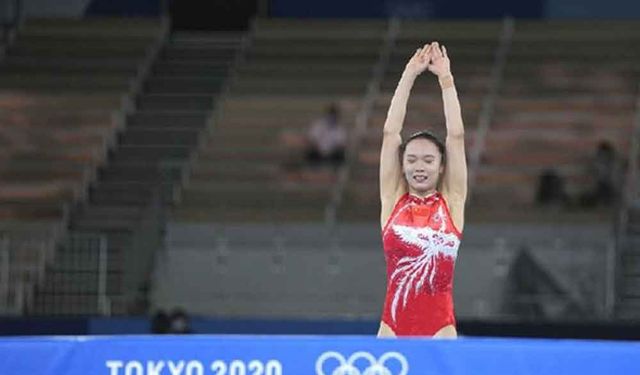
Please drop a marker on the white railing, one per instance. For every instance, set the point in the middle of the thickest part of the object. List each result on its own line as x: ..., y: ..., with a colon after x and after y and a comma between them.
x: 362, y: 121
x: 23, y: 259
x: 489, y: 101
x: 104, y: 302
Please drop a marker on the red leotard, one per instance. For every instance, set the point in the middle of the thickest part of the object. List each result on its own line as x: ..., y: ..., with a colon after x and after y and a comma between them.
x: 420, y: 246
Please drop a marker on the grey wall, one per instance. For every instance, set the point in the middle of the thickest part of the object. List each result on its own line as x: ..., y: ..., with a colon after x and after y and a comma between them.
x: 306, y: 271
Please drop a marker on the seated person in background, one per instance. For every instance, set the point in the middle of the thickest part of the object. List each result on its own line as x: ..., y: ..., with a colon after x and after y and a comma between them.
x: 160, y: 323
x: 604, y: 170
x: 551, y: 189
x: 326, y: 139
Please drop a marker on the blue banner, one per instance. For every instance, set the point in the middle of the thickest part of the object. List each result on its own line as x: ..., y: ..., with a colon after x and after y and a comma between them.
x: 301, y: 355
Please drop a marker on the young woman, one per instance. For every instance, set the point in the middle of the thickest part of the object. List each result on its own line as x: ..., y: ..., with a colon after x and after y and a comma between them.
x: 423, y: 188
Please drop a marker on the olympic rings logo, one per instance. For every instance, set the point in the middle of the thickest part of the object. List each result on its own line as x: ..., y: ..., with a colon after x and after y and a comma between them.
x: 348, y: 366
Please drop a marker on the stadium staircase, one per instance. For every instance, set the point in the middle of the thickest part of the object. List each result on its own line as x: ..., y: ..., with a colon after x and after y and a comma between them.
x: 62, y: 83
x: 145, y: 168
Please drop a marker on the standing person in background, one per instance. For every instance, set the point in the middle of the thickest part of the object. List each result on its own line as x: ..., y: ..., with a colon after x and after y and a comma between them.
x: 423, y: 189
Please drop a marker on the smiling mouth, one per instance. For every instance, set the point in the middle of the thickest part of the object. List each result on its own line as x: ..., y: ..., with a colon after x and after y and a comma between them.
x: 420, y: 178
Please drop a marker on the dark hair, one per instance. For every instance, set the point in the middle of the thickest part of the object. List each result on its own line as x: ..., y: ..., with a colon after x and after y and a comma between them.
x: 424, y: 134
x: 606, y: 147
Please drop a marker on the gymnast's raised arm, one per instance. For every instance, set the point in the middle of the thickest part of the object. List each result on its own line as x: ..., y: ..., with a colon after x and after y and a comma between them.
x: 392, y: 184
x: 454, y: 185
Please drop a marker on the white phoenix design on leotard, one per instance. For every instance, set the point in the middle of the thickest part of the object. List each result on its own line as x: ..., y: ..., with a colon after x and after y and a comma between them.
x: 413, y: 271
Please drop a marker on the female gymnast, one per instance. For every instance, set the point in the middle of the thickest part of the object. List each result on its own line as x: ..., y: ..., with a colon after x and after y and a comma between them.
x: 423, y: 188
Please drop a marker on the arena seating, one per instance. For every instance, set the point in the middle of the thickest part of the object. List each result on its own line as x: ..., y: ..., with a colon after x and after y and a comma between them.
x: 546, y: 86
x: 62, y: 83
x: 218, y: 145
x: 557, y: 103
x: 292, y: 71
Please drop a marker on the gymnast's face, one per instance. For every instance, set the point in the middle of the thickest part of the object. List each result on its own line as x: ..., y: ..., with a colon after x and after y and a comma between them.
x: 422, y: 166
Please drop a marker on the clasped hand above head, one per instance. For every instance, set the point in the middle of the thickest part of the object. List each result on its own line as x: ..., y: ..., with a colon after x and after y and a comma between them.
x: 432, y: 57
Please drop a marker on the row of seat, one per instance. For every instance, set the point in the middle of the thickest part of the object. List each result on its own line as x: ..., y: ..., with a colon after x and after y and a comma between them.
x: 62, y: 82
x: 557, y: 102
x: 290, y: 73
x: 556, y: 96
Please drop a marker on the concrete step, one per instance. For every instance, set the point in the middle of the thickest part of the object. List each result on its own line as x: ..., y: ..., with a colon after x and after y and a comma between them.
x: 199, y: 52
x: 150, y: 153
x: 69, y: 83
x: 123, y: 27
x: 177, y: 67
x: 120, y: 194
x: 65, y: 49
x: 153, y: 120
x: 222, y: 151
x: 92, y: 212
x: 63, y: 65
x: 274, y: 86
x: 184, y: 85
x: 238, y: 171
x: 176, y: 102
x: 104, y: 225
x: 150, y: 137
x: 137, y: 173
x: 212, y: 196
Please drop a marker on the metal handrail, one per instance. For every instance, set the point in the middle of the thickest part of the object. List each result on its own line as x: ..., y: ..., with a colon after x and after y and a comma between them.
x: 4, y: 272
x: 144, y: 67
x: 232, y: 74
x: 216, y: 114
x: 119, y: 116
x: 489, y: 101
x: 362, y: 121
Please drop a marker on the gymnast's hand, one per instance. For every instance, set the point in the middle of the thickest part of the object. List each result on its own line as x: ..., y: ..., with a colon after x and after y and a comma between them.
x: 439, y: 63
x: 419, y: 61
